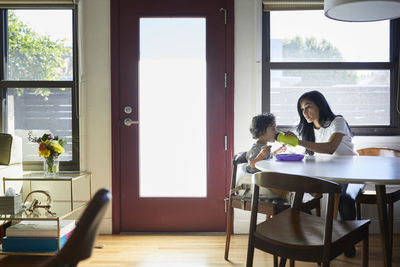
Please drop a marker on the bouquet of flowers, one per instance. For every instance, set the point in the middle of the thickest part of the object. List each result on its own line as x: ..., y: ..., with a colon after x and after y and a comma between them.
x: 50, y: 148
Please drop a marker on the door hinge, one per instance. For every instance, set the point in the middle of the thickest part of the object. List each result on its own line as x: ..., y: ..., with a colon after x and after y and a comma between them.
x: 225, y: 14
x: 226, y: 143
x: 225, y: 80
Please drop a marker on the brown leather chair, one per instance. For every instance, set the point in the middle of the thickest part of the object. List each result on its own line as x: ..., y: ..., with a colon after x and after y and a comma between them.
x: 266, y: 206
x: 296, y: 235
x: 79, y: 246
x: 368, y: 195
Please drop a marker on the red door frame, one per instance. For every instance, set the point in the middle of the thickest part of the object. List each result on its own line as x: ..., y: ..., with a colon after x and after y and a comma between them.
x: 115, y: 106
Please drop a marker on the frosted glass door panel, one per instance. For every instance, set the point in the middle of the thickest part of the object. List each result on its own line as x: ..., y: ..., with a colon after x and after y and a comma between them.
x: 172, y: 110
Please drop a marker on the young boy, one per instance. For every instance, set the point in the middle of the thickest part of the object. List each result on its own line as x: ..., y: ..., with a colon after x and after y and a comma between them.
x: 263, y: 128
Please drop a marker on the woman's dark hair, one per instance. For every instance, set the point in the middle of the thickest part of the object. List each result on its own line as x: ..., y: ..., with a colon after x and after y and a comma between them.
x: 260, y: 123
x: 326, y: 116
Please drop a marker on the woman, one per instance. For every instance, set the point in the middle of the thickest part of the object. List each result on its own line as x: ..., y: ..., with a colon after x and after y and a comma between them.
x: 321, y: 131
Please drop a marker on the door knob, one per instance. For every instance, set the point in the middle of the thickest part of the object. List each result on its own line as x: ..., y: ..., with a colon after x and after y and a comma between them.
x: 129, y: 122
x: 128, y: 110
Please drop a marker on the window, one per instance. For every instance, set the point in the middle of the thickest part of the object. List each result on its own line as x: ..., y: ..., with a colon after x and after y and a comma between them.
x: 39, y: 79
x: 355, y: 65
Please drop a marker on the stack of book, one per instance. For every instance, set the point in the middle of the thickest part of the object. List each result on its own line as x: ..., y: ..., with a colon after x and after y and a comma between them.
x: 37, y: 236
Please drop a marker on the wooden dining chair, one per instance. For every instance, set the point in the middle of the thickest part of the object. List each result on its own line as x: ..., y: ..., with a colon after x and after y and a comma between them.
x: 299, y: 236
x: 269, y: 207
x: 368, y: 195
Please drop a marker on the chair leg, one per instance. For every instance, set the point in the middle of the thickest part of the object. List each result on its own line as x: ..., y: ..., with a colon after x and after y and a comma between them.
x: 390, y: 218
x: 276, y: 262
x: 229, y: 224
x: 291, y: 263
x: 250, y: 253
x: 358, y: 208
x: 318, y: 210
x: 325, y: 261
x: 365, y: 252
x: 282, y: 262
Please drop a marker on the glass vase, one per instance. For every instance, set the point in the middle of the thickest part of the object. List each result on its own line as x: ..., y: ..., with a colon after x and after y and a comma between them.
x: 51, y: 166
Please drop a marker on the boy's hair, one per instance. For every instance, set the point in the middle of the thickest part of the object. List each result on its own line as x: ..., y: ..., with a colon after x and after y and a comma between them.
x: 260, y: 123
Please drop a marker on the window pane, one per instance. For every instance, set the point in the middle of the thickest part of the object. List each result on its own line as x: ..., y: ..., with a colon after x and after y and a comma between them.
x: 40, y: 110
x: 39, y: 45
x: 308, y: 36
x: 361, y: 96
x: 173, y: 124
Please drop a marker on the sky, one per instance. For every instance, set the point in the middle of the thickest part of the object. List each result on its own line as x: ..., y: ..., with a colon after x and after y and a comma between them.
x: 355, y: 40
x: 55, y: 23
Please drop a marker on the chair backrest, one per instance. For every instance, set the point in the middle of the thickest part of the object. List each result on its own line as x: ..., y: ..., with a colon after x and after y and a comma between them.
x: 79, y: 246
x: 237, y: 159
x: 379, y: 151
x: 298, y: 184
x: 295, y: 183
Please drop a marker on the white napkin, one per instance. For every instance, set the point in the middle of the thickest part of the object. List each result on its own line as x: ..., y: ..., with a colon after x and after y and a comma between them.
x: 10, y: 192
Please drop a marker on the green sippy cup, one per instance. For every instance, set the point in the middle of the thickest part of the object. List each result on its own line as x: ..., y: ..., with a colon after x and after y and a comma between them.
x: 289, y: 140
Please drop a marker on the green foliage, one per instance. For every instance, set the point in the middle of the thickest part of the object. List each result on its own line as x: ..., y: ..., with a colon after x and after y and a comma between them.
x: 310, y: 50
x: 32, y: 56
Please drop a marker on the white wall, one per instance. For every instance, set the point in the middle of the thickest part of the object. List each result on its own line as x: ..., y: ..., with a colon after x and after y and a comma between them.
x: 95, y: 95
x: 95, y: 88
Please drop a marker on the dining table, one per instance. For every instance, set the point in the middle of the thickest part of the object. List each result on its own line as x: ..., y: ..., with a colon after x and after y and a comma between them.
x: 380, y: 171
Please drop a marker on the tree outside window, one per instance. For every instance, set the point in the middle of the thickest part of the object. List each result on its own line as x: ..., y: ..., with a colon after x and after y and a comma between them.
x: 37, y: 54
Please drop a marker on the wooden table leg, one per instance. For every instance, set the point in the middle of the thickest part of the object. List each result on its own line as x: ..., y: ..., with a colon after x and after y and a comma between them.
x: 383, y: 224
x: 336, y: 206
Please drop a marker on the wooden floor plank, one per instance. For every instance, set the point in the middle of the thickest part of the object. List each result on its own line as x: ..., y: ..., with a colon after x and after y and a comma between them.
x: 174, y: 250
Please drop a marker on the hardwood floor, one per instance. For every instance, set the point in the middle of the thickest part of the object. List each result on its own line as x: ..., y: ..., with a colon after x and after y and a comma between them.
x: 175, y: 250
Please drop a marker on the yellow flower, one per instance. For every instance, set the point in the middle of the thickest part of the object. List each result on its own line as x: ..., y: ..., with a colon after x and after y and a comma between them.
x: 45, y: 153
x: 49, y: 146
x: 57, y: 147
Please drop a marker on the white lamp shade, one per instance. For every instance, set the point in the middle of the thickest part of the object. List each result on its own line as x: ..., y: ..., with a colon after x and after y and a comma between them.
x: 362, y: 10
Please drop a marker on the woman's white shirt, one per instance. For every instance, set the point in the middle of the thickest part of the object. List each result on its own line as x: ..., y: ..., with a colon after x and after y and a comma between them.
x: 338, y: 125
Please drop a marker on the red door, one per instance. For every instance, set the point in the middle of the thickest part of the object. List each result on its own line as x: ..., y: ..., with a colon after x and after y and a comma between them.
x: 153, y: 55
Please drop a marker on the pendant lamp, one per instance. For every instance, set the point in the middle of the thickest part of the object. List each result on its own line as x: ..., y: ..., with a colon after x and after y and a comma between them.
x: 362, y: 10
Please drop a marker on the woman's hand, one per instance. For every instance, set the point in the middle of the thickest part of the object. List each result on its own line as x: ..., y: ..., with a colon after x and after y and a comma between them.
x: 289, y: 133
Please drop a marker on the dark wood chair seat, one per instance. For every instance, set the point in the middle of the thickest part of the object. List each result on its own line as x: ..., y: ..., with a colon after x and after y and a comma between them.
x: 368, y: 195
x: 306, y: 239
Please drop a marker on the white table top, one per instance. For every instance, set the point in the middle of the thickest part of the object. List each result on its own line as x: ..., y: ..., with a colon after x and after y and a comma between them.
x: 341, y: 169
